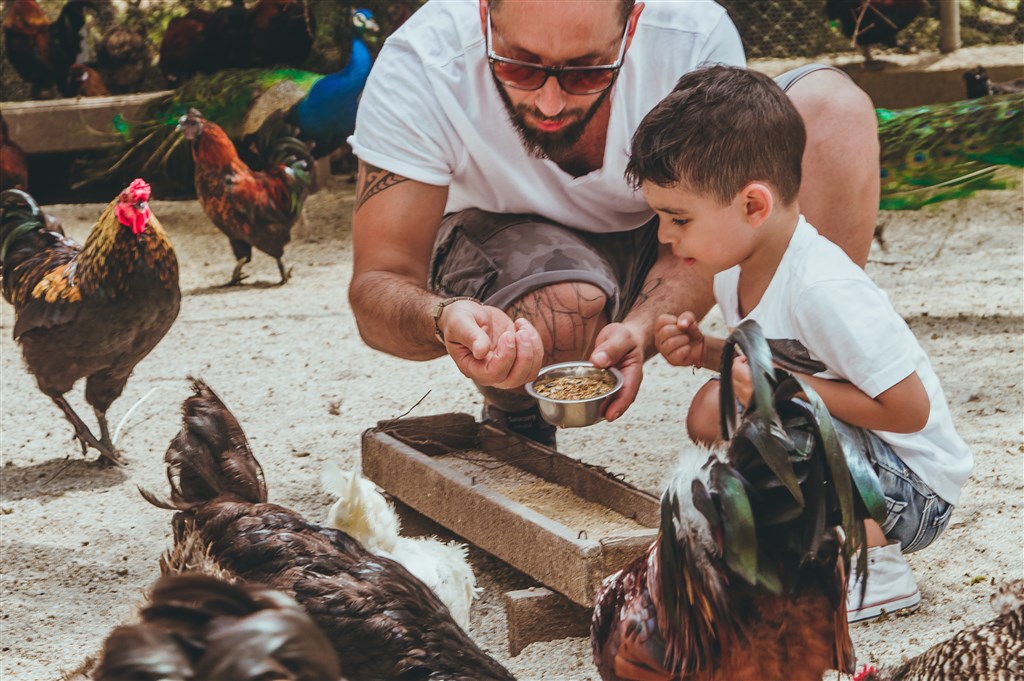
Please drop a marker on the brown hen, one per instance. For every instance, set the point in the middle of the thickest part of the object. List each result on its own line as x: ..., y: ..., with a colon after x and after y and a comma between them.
x: 92, y: 311
x: 383, y: 622
x: 252, y: 208
x: 747, y: 579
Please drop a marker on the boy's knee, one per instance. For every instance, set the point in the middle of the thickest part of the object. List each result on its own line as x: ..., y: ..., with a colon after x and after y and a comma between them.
x: 702, y: 421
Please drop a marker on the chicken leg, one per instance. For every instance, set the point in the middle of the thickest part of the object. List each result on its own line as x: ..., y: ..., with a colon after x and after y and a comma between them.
x: 85, y: 436
x: 284, y: 273
x: 237, y: 276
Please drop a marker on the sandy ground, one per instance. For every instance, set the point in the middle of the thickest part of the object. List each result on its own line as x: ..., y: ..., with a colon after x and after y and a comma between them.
x: 80, y: 545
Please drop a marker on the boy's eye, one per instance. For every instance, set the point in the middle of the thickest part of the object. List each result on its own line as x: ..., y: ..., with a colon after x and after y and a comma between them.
x: 680, y: 221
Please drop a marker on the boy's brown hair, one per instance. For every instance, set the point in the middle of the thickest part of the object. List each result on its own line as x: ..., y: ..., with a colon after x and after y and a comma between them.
x: 719, y: 129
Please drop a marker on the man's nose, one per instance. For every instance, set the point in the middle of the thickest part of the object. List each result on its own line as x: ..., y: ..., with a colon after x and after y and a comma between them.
x: 551, y: 98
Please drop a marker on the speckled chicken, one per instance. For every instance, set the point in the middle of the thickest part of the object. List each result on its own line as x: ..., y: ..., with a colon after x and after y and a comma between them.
x: 383, y: 622
x: 198, y: 626
x: 747, y: 578
x: 993, y: 651
x: 254, y: 209
x: 92, y: 311
x: 365, y: 515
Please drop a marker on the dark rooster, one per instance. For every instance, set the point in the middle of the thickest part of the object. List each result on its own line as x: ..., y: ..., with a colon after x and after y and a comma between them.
x: 991, y: 650
x: 92, y: 311
x: 42, y: 51
x: 747, y: 579
x: 203, y: 42
x: 322, y: 107
x: 384, y: 623
x: 979, y: 85
x: 873, y: 22
x: 280, y: 33
x: 122, y: 57
x: 13, y: 168
x: 199, y: 626
x: 252, y: 208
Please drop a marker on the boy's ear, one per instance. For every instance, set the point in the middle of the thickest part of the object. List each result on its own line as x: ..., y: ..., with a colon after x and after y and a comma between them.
x: 758, y: 202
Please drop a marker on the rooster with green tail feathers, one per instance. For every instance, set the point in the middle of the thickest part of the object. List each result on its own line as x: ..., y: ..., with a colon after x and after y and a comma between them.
x: 253, y: 208
x: 322, y: 108
x: 949, y: 151
x: 747, y: 579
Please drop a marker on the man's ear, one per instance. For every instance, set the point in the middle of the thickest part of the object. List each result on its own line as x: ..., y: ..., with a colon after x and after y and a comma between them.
x: 758, y: 203
x: 483, y: 17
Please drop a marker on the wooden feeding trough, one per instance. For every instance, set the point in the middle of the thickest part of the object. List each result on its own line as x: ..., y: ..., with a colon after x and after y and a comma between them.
x: 564, y: 523
x: 72, y: 124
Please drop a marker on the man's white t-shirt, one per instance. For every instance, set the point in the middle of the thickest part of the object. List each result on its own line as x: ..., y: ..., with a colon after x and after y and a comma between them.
x: 431, y: 112
x: 823, y: 316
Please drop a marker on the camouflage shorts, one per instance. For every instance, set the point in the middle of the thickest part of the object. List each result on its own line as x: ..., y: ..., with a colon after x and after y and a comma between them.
x: 498, y: 258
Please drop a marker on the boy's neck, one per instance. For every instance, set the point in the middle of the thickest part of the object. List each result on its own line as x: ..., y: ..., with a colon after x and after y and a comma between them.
x: 757, y: 271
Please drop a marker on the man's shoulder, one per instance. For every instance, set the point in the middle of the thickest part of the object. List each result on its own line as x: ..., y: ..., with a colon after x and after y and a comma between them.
x: 440, y: 31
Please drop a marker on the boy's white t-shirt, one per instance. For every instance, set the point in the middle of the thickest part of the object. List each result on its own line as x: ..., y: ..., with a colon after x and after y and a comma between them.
x: 431, y: 112
x: 823, y: 316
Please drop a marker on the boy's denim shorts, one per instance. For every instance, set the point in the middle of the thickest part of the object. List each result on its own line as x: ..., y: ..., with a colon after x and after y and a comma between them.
x: 915, y: 514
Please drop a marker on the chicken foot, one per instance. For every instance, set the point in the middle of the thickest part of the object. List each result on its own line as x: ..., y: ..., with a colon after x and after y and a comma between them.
x: 237, y: 276
x: 85, y: 436
x: 285, y: 274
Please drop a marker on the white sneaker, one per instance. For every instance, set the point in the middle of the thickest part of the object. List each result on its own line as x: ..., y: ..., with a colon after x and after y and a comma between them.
x: 891, y: 585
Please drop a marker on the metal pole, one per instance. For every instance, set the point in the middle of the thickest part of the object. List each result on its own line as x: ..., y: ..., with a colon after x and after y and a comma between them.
x: 949, y: 16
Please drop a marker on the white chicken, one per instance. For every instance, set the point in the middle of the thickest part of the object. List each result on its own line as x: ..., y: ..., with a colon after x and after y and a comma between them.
x: 363, y: 513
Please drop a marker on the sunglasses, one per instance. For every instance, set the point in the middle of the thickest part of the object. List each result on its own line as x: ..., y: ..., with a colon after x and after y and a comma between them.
x: 574, y: 80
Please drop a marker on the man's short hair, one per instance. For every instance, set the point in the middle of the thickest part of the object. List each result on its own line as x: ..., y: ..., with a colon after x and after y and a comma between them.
x: 719, y: 129
x: 625, y: 7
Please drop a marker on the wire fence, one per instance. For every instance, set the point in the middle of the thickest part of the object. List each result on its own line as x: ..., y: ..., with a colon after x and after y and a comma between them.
x: 802, y: 28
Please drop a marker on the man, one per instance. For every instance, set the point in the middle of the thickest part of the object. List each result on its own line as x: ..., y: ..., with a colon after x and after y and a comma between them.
x: 492, y: 221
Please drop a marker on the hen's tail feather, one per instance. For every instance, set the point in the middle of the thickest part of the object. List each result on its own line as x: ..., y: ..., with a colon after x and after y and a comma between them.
x: 696, y: 609
x: 210, y: 457
x: 198, y: 626
x: 19, y: 215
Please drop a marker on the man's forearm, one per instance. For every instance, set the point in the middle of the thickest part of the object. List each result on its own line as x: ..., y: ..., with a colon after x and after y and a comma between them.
x: 393, y: 316
x: 672, y: 287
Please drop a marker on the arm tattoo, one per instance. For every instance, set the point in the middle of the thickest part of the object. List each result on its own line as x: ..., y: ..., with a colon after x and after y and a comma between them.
x: 649, y: 288
x: 373, y: 180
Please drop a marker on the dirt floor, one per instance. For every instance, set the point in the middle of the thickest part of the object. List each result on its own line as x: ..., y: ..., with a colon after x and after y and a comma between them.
x: 79, y: 544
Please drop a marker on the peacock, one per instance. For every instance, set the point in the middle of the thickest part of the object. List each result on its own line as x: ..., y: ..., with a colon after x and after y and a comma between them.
x: 949, y: 151
x: 322, y: 107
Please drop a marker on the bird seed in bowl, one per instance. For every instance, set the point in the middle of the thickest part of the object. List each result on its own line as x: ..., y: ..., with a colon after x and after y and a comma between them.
x: 570, y: 388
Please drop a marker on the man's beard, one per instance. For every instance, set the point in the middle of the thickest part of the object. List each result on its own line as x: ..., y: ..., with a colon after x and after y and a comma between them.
x: 552, y: 145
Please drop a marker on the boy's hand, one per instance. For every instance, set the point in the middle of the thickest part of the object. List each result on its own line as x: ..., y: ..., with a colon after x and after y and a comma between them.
x: 742, y: 385
x: 679, y: 339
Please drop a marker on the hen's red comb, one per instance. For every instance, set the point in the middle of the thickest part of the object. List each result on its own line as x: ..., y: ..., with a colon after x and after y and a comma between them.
x: 138, y: 191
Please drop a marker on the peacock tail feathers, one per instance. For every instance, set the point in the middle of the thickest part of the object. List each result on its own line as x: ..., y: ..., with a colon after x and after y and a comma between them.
x: 949, y: 151
x: 239, y: 100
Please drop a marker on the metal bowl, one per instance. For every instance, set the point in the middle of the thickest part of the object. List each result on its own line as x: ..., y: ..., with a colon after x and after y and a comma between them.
x: 574, y: 413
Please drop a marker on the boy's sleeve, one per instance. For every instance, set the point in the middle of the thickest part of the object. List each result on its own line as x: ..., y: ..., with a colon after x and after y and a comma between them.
x: 852, y: 328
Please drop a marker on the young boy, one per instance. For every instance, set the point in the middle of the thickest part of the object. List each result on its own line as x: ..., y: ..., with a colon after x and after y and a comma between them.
x: 719, y: 161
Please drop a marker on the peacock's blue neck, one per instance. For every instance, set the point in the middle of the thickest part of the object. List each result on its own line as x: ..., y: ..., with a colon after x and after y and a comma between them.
x: 335, y: 96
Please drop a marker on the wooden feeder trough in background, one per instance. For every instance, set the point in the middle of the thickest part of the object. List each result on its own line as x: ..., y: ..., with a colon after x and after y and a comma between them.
x: 564, y: 523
